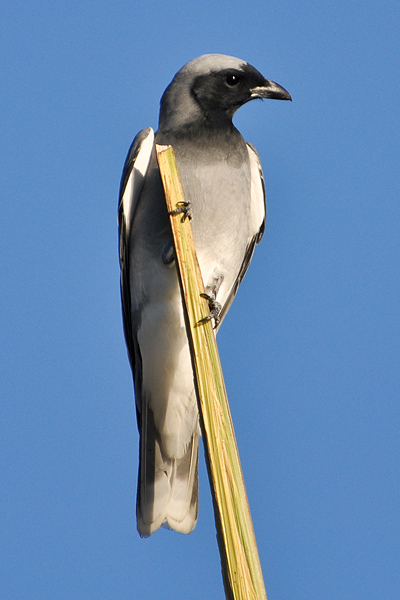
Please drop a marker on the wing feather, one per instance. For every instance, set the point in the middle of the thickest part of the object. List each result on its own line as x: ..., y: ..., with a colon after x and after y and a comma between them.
x: 132, y: 180
x: 258, y: 196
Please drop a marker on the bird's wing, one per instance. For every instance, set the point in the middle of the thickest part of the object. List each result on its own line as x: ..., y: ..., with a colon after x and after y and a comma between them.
x: 258, y: 197
x: 132, y: 180
x: 157, y: 344
x: 257, y: 220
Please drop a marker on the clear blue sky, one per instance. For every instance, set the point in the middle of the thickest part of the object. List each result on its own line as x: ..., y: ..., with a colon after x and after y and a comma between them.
x: 310, y: 348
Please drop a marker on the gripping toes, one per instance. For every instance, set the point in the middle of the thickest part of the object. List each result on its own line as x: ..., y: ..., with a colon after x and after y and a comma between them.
x: 215, y: 310
x: 183, y: 208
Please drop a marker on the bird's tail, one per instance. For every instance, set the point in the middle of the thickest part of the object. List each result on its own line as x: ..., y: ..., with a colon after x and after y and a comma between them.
x: 167, y: 487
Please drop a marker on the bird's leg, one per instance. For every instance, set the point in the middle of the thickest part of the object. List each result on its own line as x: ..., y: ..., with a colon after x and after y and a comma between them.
x: 183, y: 208
x: 214, y: 306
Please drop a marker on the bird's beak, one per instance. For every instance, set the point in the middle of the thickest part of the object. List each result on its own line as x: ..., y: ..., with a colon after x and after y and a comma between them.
x: 270, y: 90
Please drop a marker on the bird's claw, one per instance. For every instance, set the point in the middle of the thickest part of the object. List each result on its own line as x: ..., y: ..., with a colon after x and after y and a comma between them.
x: 215, y: 310
x: 183, y: 208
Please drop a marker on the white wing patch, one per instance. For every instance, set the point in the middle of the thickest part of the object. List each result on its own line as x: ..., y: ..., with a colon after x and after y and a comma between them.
x: 258, y: 202
x: 136, y: 178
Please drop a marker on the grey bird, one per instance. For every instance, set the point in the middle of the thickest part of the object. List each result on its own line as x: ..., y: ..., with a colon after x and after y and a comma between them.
x: 223, y: 183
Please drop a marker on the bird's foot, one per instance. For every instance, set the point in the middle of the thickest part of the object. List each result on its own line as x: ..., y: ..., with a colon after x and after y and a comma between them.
x: 215, y: 310
x: 183, y: 208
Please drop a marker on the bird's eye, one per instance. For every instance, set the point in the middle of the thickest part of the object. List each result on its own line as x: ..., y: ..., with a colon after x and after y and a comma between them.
x: 232, y: 80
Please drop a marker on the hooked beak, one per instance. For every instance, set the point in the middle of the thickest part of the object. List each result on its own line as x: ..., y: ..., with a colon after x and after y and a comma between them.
x: 270, y: 90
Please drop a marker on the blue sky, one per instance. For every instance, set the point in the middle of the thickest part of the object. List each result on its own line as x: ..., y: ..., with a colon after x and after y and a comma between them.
x: 310, y: 348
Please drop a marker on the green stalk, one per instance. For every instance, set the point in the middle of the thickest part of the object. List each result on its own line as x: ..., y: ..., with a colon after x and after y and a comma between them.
x: 240, y: 562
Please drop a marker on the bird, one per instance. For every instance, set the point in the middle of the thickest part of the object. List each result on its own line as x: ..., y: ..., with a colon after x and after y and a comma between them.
x: 223, y: 184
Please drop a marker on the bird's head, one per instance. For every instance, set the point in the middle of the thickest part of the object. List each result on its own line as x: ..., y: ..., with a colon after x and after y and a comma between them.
x: 213, y: 87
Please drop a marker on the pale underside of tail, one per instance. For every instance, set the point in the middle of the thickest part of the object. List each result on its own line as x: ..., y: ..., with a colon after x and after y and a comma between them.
x: 168, y: 487
x: 167, y: 410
